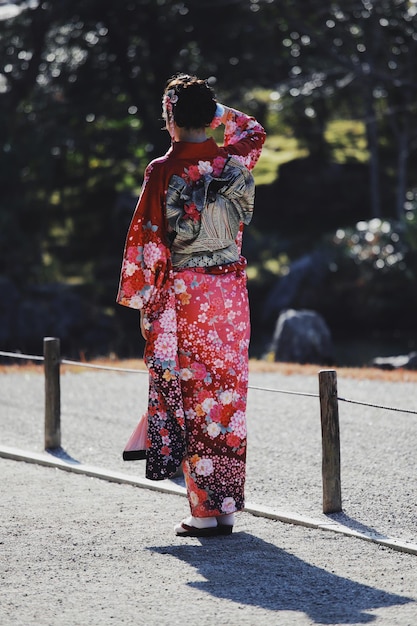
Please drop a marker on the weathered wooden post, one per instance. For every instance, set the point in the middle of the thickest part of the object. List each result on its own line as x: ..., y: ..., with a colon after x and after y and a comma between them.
x: 52, y: 359
x: 332, y: 496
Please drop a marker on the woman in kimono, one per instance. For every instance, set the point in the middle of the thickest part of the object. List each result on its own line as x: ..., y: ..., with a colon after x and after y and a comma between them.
x: 182, y: 268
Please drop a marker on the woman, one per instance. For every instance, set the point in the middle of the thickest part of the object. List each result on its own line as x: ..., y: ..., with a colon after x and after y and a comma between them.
x: 183, y: 269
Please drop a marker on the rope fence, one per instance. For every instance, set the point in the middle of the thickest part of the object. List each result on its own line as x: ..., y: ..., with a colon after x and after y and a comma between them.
x: 329, y: 411
x: 111, y: 368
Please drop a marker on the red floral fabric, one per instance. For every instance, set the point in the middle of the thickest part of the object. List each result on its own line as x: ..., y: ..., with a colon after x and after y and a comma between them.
x: 213, y: 340
x: 197, y: 389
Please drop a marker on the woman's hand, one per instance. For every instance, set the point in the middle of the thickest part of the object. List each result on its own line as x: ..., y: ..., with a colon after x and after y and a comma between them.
x: 220, y: 116
x: 143, y: 330
x: 226, y: 110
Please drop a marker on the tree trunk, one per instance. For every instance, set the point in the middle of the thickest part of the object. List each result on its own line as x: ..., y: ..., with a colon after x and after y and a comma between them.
x: 372, y: 135
x: 402, y: 162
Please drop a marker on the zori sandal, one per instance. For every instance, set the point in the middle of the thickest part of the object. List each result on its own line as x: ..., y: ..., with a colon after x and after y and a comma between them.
x: 184, y: 530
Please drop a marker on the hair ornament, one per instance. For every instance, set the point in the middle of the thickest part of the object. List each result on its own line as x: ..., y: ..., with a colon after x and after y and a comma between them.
x: 170, y: 99
x: 172, y: 96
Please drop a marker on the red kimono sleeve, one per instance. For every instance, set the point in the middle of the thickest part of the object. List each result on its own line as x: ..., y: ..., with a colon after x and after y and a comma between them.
x: 146, y: 260
x: 243, y: 137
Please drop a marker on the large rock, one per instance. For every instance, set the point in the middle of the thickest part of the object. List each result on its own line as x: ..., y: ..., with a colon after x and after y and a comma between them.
x: 302, y: 337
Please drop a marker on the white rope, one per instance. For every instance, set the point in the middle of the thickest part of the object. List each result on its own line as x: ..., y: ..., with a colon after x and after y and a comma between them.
x: 15, y: 355
x: 292, y: 393
x: 103, y: 367
x: 110, y: 368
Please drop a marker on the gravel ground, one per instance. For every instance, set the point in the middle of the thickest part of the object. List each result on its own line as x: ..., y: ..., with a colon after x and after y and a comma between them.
x: 76, y: 550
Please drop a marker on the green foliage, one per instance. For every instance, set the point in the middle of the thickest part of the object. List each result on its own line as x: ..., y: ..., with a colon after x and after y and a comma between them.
x: 80, y: 88
x: 374, y: 274
x: 267, y: 257
x: 278, y: 149
x: 347, y: 141
x: 375, y: 246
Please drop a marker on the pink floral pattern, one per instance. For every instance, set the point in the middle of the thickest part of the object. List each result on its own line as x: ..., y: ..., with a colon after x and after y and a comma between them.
x: 198, y: 333
x: 213, y: 355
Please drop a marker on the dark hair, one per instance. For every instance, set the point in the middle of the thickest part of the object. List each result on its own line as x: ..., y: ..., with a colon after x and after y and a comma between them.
x: 193, y: 103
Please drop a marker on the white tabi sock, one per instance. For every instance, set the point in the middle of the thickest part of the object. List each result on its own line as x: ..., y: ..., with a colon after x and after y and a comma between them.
x: 226, y: 520
x: 200, y: 522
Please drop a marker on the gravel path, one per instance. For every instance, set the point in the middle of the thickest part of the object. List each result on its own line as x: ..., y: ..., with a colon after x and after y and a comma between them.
x: 76, y: 550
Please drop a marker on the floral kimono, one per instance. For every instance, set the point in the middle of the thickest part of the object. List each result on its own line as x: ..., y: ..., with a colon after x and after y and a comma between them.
x: 182, y: 267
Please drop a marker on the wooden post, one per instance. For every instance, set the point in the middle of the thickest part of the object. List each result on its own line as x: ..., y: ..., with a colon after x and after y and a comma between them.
x: 332, y: 496
x: 52, y: 359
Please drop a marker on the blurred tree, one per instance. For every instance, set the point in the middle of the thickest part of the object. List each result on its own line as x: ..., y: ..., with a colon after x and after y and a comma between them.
x: 359, y: 54
x: 80, y: 92
x: 80, y: 88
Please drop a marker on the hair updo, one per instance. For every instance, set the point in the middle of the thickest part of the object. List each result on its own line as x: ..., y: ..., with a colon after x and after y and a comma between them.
x: 191, y: 101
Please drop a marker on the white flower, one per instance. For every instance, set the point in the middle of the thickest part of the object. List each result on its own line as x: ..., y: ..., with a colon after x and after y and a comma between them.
x: 130, y: 268
x: 208, y: 404
x: 213, y: 430
x: 228, y: 505
x: 136, y: 302
x: 226, y: 397
x: 186, y: 374
x: 205, y: 167
x: 179, y: 285
x: 204, y: 467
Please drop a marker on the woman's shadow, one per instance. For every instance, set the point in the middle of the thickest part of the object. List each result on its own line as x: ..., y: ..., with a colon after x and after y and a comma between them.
x: 248, y: 570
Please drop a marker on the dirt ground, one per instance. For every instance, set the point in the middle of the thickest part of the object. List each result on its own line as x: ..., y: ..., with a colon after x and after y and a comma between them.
x: 81, y: 551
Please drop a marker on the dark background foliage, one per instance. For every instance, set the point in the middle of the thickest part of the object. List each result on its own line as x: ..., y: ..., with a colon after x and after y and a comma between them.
x: 80, y: 88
